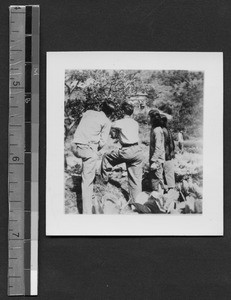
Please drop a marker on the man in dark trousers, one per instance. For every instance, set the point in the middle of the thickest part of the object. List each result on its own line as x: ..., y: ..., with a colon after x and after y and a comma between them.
x: 157, y: 151
x: 91, y: 135
x: 169, y: 154
x: 129, y: 153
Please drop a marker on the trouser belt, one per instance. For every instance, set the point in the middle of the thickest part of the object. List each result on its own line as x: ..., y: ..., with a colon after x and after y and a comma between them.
x: 129, y: 145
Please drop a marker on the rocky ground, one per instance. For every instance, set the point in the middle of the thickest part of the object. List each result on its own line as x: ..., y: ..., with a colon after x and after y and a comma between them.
x: 112, y: 198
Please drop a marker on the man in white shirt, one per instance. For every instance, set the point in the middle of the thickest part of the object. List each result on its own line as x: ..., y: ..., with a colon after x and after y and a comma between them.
x: 130, y: 152
x: 90, y: 137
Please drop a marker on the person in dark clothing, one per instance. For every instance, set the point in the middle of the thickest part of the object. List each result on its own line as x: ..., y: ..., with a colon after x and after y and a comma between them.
x: 169, y: 154
x: 157, y: 151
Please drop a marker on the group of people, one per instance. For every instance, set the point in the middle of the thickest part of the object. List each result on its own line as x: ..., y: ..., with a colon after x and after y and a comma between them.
x: 92, y: 135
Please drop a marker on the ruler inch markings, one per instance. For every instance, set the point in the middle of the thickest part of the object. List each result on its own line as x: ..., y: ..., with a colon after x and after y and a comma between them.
x: 17, y: 286
x: 22, y: 164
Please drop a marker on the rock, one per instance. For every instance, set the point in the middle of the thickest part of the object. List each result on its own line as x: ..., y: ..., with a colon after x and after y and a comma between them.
x: 190, y: 202
x: 111, y: 208
x: 159, y: 198
x: 123, y: 202
x: 97, y: 206
x: 181, y: 205
x: 111, y: 204
x: 171, y: 197
x: 198, y: 206
x: 69, y: 184
x: 156, y: 195
x: 155, y: 206
x: 173, y: 209
x: 98, y: 167
x: 120, y: 168
x: 142, y: 197
x: 72, y: 161
x: 124, y: 174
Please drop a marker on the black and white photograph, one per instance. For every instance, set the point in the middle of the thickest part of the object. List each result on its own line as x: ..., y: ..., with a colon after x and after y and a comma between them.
x: 115, y: 141
x: 133, y: 141
x: 130, y: 140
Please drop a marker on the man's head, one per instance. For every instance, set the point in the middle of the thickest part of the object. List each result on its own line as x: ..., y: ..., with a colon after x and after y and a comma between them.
x: 164, y: 120
x: 127, y: 108
x: 155, y: 118
x: 108, y: 108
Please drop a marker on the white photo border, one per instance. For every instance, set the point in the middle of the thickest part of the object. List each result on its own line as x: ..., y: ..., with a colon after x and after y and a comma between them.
x: 210, y: 222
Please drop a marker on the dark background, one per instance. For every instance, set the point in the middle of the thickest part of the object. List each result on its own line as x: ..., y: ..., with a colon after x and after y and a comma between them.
x: 116, y: 267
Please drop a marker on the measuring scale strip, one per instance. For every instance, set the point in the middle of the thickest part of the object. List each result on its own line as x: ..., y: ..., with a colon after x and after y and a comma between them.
x: 16, y: 156
x: 24, y: 21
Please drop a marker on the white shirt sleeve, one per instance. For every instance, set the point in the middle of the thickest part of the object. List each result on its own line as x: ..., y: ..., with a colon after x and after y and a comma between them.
x: 104, y: 134
x: 116, y: 124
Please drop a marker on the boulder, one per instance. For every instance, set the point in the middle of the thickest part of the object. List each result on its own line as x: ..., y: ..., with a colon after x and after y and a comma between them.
x: 72, y: 161
x: 142, y: 197
x: 190, y: 204
x: 170, y: 198
x: 198, y: 206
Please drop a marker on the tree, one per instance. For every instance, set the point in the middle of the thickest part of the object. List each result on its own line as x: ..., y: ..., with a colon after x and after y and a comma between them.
x: 179, y: 93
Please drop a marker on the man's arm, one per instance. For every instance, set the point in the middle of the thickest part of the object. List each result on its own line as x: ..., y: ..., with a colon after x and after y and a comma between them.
x: 116, y: 125
x: 104, y: 134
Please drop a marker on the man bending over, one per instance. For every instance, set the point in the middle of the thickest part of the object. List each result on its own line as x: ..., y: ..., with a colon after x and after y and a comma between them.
x: 129, y: 153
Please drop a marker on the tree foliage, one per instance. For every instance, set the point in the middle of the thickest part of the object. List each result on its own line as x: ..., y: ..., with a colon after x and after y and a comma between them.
x: 179, y: 93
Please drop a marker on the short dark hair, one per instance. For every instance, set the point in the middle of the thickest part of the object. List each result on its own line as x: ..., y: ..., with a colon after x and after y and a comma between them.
x: 128, y: 108
x: 164, y: 120
x: 155, y: 117
x: 153, y: 113
x: 108, y: 107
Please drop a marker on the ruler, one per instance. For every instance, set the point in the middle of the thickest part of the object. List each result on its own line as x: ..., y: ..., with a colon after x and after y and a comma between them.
x: 23, y: 150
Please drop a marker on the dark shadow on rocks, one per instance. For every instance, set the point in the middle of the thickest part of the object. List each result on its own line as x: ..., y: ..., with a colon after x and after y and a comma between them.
x: 146, y: 186
x: 119, y: 186
x: 77, y: 180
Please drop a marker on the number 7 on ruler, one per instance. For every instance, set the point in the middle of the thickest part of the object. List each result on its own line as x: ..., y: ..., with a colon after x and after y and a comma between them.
x: 23, y: 150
